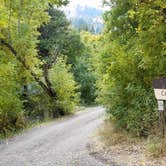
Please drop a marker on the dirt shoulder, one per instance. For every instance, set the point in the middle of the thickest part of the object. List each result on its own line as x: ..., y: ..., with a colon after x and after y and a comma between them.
x: 117, y: 149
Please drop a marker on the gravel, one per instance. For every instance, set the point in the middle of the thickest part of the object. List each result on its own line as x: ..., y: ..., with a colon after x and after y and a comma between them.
x: 59, y: 143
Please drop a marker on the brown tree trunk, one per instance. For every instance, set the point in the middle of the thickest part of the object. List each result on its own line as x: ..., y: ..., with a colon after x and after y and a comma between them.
x: 46, y: 87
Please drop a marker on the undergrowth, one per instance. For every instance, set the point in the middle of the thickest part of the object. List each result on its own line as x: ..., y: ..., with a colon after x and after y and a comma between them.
x: 156, y: 147
x: 152, y: 146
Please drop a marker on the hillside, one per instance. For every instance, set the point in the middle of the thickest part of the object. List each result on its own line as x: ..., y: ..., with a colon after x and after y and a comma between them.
x: 86, y: 18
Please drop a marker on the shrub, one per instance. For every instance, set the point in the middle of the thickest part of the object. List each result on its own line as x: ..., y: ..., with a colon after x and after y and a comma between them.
x: 65, y: 87
x: 11, y: 107
x: 133, y: 55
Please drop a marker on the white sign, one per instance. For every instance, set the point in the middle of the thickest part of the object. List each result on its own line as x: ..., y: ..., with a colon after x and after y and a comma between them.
x: 160, y: 105
x: 160, y: 94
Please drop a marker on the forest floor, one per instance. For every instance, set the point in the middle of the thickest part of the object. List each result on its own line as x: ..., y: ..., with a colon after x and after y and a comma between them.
x: 118, y: 149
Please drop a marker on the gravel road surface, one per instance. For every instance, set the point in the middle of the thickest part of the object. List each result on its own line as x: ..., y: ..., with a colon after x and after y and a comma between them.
x: 60, y: 143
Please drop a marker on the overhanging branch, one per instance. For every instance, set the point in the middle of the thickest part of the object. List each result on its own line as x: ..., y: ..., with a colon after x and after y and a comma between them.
x: 49, y: 91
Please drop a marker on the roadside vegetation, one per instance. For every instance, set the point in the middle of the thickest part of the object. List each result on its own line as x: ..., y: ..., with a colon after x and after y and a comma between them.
x: 112, y: 145
x: 44, y: 64
x: 132, y: 55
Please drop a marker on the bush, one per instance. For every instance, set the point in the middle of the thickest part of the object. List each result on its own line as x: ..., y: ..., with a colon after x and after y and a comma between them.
x: 133, y: 55
x: 11, y: 107
x: 65, y: 87
x: 40, y: 107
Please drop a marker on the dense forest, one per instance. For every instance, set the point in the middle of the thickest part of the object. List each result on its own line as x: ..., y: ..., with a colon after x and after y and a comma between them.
x: 45, y: 64
x: 47, y: 67
x: 133, y: 55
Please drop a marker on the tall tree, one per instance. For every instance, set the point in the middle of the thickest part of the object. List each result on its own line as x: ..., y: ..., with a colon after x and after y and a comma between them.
x: 58, y: 38
x: 19, y: 23
x: 133, y: 55
x: 23, y: 18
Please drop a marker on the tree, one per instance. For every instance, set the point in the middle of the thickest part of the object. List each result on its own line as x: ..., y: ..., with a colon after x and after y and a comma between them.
x: 132, y: 57
x: 84, y: 70
x: 68, y: 42
x: 23, y: 37
x: 58, y: 38
x: 66, y: 87
x: 19, y: 23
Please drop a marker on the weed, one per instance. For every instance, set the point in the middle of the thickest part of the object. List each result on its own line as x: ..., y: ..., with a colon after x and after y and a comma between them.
x: 156, y: 147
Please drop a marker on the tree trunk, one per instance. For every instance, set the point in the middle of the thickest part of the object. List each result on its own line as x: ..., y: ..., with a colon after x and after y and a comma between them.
x: 47, y: 88
x: 46, y: 78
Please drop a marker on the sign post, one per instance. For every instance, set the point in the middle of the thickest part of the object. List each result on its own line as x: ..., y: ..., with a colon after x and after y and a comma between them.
x: 160, y: 94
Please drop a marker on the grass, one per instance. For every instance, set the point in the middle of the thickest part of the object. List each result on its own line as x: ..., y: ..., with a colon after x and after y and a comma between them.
x: 111, y: 135
x: 156, y: 147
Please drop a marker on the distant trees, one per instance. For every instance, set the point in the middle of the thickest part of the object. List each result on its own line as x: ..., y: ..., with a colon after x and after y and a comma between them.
x: 88, y: 19
x: 87, y: 25
x: 85, y: 71
x: 74, y: 46
x: 133, y: 55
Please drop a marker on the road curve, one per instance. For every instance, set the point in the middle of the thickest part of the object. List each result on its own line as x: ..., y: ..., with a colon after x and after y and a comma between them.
x: 59, y: 143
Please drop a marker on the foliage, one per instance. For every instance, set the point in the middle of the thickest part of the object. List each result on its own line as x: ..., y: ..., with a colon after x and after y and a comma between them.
x: 72, y: 44
x: 57, y: 26
x: 62, y: 80
x: 58, y: 38
x: 86, y: 79
x: 20, y: 66
x: 133, y: 55
x: 84, y: 70
x: 11, y: 107
x: 65, y: 86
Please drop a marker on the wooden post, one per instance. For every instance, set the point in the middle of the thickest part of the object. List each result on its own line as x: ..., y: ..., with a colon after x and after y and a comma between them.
x: 159, y: 85
x: 161, y: 116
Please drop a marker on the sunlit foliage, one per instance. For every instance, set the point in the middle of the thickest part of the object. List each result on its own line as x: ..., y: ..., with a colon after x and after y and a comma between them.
x: 26, y: 82
x: 133, y: 55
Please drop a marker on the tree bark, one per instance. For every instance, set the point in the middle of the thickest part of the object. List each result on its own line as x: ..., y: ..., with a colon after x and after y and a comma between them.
x: 46, y: 78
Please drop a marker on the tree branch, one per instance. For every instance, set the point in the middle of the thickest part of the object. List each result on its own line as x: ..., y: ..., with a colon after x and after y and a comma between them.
x: 48, y: 90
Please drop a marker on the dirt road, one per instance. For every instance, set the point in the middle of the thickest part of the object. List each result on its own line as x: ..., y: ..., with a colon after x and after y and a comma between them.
x: 59, y: 143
